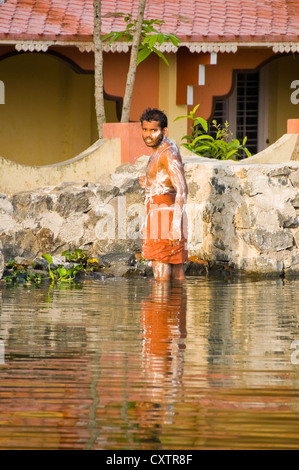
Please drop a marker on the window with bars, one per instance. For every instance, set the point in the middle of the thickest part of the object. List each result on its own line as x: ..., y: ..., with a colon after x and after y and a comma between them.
x: 241, y: 110
x: 247, y: 109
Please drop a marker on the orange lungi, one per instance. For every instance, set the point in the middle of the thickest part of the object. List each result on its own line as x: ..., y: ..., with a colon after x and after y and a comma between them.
x: 156, y: 245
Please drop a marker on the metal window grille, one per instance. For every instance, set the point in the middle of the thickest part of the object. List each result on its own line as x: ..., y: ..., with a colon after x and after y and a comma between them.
x: 245, y: 113
x: 247, y: 109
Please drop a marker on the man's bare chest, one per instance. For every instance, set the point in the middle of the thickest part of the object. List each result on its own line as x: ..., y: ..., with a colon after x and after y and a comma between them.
x: 152, y: 167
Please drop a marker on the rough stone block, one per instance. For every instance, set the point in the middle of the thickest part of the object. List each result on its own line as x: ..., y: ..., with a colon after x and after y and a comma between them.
x: 294, y: 178
x: 277, y: 241
x: 1, y: 261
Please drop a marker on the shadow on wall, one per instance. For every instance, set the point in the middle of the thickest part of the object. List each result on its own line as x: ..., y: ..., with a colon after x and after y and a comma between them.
x: 101, y: 159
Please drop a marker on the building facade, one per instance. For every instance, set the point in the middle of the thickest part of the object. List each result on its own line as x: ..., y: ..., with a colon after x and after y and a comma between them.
x: 237, y: 59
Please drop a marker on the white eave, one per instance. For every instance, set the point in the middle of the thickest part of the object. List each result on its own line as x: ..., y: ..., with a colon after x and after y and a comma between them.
x: 195, y: 47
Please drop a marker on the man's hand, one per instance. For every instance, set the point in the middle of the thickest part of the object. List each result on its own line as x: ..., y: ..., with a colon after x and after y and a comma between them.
x: 174, y: 235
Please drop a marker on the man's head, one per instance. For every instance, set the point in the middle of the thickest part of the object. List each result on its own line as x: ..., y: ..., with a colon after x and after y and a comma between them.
x: 154, y: 126
x: 155, y: 114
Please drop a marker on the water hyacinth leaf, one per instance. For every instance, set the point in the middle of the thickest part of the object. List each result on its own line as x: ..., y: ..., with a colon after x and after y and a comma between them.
x: 62, y: 272
x: 48, y: 258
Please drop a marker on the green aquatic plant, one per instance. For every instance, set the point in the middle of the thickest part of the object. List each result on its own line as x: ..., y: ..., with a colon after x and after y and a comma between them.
x: 79, y: 262
x: 78, y: 256
x: 61, y: 274
x: 16, y: 274
x: 82, y: 259
x: 76, y: 262
x: 49, y: 258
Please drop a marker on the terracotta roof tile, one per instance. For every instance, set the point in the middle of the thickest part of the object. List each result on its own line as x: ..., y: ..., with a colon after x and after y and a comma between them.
x: 211, y: 20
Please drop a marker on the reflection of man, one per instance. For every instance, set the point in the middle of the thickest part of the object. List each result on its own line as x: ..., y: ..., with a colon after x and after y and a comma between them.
x: 164, y: 333
x: 164, y: 234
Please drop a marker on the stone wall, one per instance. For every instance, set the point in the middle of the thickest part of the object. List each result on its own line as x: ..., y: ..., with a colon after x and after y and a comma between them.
x: 242, y: 217
x: 249, y: 215
x: 1, y: 262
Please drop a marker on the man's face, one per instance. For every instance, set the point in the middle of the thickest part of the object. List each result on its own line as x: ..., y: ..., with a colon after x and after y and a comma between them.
x: 152, y: 133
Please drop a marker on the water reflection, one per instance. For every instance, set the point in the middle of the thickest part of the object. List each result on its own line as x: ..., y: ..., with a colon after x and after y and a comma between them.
x: 136, y: 364
x: 164, y: 331
x: 163, y: 317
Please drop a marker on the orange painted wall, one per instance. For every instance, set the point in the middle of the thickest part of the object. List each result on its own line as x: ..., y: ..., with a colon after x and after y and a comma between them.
x: 132, y: 144
x: 146, y: 87
x: 116, y: 65
x: 218, y: 78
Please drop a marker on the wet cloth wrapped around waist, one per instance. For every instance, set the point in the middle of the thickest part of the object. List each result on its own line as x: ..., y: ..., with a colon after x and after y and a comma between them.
x: 156, y: 233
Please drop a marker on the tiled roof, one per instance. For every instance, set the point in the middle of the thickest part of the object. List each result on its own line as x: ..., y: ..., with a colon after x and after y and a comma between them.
x: 190, y: 20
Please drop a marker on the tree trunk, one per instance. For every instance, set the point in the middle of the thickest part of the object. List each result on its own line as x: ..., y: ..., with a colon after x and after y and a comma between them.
x: 98, y: 68
x: 133, y: 64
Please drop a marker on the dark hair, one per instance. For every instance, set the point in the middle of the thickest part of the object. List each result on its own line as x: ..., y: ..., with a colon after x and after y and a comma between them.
x: 154, y: 114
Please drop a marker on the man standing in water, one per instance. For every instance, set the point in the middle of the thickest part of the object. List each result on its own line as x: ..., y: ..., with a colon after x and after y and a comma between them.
x: 164, y: 232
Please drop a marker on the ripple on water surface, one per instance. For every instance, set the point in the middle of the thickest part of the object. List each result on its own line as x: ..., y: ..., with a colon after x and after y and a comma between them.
x: 135, y: 364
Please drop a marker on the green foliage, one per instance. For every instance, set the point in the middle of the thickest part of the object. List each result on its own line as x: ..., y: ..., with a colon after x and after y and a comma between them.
x: 15, y: 274
x: 151, y: 38
x: 78, y: 256
x: 79, y: 262
x: 221, y: 147
x: 61, y: 274
x: 50, y: 261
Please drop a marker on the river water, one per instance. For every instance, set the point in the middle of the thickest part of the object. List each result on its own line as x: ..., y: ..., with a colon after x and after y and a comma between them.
x: 133, y: 364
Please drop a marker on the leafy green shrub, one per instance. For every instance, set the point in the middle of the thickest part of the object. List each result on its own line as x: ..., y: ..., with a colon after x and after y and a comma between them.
x: 221, y: 147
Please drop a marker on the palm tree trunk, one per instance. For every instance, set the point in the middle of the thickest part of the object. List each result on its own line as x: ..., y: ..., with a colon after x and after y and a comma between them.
x: 98, y: 68
x: 133, y: 64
